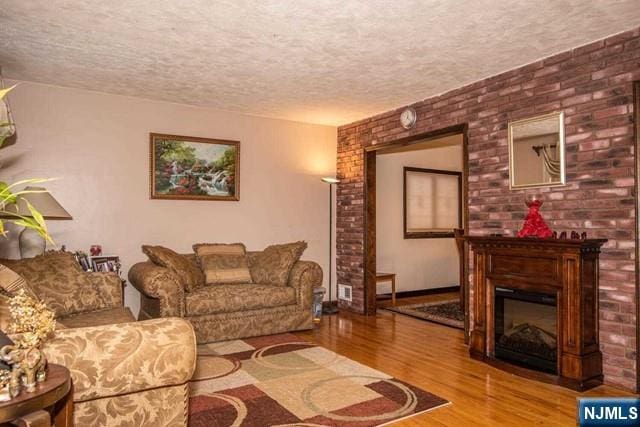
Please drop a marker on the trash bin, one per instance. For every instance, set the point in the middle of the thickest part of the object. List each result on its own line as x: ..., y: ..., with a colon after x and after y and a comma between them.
x: 318, y: 297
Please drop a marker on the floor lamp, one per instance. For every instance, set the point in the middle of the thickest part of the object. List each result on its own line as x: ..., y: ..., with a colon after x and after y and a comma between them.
x: 330, y: 309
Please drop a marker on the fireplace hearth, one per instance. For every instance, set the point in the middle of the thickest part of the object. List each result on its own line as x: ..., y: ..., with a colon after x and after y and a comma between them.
x: 535, y: 310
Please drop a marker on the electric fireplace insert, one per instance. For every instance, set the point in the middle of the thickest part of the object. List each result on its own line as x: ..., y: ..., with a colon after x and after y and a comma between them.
x: 526, y: 329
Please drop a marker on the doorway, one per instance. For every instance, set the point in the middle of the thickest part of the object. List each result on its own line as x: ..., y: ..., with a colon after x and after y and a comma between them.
x: 398, y: 239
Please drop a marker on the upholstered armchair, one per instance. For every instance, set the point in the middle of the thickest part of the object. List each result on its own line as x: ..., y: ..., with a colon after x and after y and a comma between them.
x: 129, y: 374
x: 125, y: 373
x: 228, y: 311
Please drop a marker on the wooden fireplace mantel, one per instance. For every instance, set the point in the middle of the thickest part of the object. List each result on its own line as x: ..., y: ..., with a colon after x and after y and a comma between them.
x: 565, y: 267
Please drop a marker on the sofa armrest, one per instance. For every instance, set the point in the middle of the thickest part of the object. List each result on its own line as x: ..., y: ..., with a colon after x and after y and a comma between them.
x: 304, y: 276
x: 159, y: 283
x: 113, y: 360
x: 110, y: 288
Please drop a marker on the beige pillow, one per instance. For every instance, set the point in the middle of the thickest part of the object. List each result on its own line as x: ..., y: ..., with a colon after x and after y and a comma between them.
x: 273, y: 265
x: 223, y: 263
x: 189, y: 273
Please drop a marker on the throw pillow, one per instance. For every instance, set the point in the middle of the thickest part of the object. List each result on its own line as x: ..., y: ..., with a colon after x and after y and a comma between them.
x: 11, y: 282
x: 57, y: 279
x: 223, y: 263
x: 273, y: 265
x: 188, y: 273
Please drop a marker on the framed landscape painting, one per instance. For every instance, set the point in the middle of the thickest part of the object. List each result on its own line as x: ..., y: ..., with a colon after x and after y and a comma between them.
x: 190, y: 168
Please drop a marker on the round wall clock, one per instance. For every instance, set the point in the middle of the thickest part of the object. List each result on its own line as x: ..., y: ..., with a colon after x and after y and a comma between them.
x: 408, y: 118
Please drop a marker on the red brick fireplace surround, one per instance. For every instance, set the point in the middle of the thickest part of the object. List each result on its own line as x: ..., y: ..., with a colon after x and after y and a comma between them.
x: 593, y: 85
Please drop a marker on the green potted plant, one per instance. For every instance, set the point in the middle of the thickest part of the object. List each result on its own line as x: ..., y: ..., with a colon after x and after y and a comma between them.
x: 9, y: 192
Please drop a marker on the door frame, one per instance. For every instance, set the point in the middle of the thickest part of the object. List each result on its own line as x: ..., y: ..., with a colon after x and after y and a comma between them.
x: 636, y: 139
x: 370, y: 154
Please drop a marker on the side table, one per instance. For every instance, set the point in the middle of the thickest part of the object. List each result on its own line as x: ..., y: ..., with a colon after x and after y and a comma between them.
x: 52, y: 401
x: 388, y: 277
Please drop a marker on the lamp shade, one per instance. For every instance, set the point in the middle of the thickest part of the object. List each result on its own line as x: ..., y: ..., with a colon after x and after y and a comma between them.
x: 42, y: 201
x: 330, y: 180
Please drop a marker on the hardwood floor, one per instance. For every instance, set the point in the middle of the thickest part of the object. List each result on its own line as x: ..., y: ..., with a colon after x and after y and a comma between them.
x: 434, y: 358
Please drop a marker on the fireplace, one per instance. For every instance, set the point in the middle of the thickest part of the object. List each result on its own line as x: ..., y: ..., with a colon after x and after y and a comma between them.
x: 535, y: 308
x: 526, y: 329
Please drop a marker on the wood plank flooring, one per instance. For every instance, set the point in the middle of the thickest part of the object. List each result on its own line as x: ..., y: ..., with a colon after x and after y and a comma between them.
x: 434, y: 358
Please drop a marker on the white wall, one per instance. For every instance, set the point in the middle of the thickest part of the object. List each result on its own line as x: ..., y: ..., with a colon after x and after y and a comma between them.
x: 418, y: 263
x: 98, y: 146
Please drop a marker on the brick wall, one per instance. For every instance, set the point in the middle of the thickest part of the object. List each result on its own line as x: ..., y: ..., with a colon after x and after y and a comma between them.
x: 592, y: 84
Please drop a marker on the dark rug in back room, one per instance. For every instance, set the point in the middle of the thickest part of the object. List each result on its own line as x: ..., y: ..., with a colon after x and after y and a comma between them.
x: 448, y: 313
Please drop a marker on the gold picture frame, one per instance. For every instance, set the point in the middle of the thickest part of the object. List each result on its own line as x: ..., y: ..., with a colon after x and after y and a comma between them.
x: 537, y: 152
x: 193, y: 168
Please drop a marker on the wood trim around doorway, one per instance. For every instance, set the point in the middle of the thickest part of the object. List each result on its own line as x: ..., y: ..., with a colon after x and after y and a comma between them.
x: 370, y: 209
x: 636, y: 127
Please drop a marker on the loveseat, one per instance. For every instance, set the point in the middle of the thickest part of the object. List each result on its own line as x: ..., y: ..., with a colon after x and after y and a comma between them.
x: 124, y: 373
x: 230, y: 311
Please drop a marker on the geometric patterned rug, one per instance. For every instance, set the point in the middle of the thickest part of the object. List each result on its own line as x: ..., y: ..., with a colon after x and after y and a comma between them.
x: 279, y: 380
x: 446, y: 313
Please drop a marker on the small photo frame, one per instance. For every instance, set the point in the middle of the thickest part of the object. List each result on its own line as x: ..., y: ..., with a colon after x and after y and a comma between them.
x: 102, y: 266
x: 106, y: 263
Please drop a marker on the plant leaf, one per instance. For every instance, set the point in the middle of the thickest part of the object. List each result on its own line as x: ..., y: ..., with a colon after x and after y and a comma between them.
x: 5, y: 91
x: 31, y: 223
x: 37, y: 216
x: 24, y: 222
x: 5, y: 190
x: 31, y: 181
x: 6, y: 197
x: 45, y: 234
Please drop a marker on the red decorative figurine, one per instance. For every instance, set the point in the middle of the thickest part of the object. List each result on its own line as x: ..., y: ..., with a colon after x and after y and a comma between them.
x: 534, y: 225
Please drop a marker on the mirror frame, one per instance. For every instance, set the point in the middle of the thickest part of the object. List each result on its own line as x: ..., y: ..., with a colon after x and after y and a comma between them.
x: 560, y: 116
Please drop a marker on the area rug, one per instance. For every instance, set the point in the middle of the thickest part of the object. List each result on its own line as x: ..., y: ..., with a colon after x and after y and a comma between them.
x: 446, y: 312
x: 280, y: 380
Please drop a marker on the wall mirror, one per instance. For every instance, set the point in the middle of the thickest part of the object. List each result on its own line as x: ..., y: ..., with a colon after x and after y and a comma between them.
x: 536, y: 152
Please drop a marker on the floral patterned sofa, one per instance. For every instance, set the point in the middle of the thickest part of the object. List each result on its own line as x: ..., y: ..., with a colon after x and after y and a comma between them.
x: 169, y: 286
x: 125, y: 373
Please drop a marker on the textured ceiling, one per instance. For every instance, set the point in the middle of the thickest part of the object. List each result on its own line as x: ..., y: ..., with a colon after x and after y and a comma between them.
x: 319, y: 61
